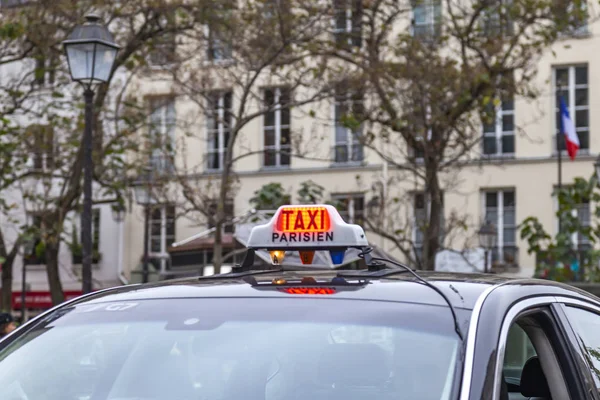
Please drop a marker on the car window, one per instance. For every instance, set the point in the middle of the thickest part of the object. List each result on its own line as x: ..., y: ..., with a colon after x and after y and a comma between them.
x: 586, y: 325
x: 519, y: 349
x: 220, y: 349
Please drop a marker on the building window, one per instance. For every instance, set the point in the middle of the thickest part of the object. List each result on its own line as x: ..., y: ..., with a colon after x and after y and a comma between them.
x: 228, y: 225
x: 218, y: 48
x: 571, y: 84
x: 422, y: 208
x: 580, y: 242
x: 496, y: 20
x: 348, y: 104
x: 348, y: 22
x: 351, y: 207
x: 499, y: 129
x: 500, y: 210
x: 277, y: 146
x: 572, y: 21
x: 219, y: 121
x: 164, y: 50
x: 40, y: 139
x: 162, y: 132
x: 162, y: 229
x: 427, y: 18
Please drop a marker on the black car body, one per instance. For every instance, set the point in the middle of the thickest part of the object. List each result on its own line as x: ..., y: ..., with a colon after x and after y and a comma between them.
x: 515, y: 338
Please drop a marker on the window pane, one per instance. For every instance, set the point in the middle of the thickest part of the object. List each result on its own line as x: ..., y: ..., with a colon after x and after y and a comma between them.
x: 489, y: 145
x: 270, y: 158
x: 587, y: 326
x: 509, y: 199
x: 270, y: 118
x: 285, y: 136
x: 581, y: 97
x: 581, y: 118
x: 508, y: 123
x: 581, y: 75
x: 509, y: 217
x: 269, y: 97
x: 341, y: 153
x: 341, y: 134
x: 508, y: 104
x: 285, y: 116
x: 519, y: 349
x: 269, y: 137
x: 508, y: 144
x: 284, y: 156
x: 584, y: 139
x: 213, y: 161
x: 491, y: 199
x: 155, y: 245
x: 561, y: 141
x: 509, y: 235
x: 562, y: 77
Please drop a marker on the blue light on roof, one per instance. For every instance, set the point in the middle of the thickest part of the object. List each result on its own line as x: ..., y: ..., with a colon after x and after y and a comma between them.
x: 337, y: 256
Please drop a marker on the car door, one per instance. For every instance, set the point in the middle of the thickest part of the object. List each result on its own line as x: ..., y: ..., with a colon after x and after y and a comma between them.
x: 583, y: 321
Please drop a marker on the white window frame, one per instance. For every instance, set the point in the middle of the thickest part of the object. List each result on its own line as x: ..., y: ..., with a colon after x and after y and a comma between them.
x: 415, y: 226
x: 163, y: 253
x: 227, y: 56
x: 574, y: 213
x: 572, y: 86
x: 499, y: 223
x: 348, y: 29
x: 220, y: 151
x: 278, y: 127
x: 499, y: 132
x: 165, y: 129
x: 350, y: 141
x: 429, y: 7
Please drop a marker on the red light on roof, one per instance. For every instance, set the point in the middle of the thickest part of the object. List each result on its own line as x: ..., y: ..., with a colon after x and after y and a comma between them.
x: 309, y: 290
x: 303, y: 219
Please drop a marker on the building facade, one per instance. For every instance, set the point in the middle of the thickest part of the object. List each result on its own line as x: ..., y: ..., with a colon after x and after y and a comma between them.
x: 512, y: 175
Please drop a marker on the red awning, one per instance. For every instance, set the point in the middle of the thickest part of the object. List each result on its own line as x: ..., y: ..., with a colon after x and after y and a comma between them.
x: 39, y: 300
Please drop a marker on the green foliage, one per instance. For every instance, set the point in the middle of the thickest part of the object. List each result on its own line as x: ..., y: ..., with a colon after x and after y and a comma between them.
x: 270, y: 197
x: 310, y: 192
x: 557, y: 259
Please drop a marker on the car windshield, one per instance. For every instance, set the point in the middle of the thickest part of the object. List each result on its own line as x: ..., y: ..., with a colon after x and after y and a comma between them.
x: 230, y: 349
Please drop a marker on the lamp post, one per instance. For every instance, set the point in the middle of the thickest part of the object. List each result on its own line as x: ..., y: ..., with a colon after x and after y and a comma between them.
x: 91, y: 53
x: 144, y: 196
x: 487, y: 240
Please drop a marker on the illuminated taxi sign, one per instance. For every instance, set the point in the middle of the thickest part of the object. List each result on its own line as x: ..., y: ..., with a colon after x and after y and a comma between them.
x: 307, y: 227
x: 303, y: 220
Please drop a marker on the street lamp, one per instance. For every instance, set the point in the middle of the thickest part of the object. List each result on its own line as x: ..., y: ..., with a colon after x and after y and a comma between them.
x: 91, y: 53
x: 487, y: 240
x: 145, y: 197
x: 118, y: 212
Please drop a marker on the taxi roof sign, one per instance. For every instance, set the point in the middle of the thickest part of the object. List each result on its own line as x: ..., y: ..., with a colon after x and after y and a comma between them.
x: 317, y: 227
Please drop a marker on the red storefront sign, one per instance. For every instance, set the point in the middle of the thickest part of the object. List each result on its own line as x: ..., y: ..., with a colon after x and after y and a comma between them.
x: 39, y: 299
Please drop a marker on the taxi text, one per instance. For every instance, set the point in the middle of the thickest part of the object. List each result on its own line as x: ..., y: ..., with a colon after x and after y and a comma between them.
x: 303, y: 237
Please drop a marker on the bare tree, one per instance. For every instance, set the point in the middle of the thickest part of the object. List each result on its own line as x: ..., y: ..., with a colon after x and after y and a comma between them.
x: 246, y: 61
x: 432, y: 85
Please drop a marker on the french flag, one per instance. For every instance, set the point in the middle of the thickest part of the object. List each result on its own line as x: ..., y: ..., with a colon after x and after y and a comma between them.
x: 568, y: 129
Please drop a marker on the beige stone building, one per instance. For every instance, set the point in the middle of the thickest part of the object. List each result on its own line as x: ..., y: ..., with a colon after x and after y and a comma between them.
x: 511, y: 176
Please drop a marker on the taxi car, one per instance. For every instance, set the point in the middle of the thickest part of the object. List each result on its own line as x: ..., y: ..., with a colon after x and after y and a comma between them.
x: 384, y: 332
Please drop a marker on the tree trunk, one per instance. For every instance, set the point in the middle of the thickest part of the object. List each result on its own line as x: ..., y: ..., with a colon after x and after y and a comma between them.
x: 7, y: 280
x: 432, y: 232
x: 56, y: 290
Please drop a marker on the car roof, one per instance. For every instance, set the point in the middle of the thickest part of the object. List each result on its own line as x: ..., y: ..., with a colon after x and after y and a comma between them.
x: 463, y: 290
